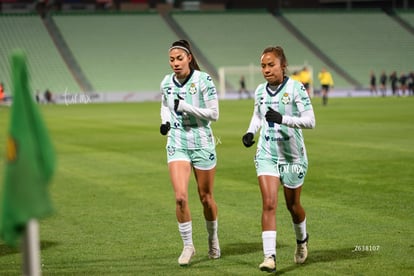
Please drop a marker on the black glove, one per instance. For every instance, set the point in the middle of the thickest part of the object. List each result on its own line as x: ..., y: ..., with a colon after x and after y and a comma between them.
x: 164, y: 128
x: 177, y: 102
x: 273, y: 116
x: 248, y: 140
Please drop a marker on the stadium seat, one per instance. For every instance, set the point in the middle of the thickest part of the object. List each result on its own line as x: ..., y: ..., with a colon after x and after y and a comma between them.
x: 119, y: 52
x: 47, y: 69
x: 358, y: 41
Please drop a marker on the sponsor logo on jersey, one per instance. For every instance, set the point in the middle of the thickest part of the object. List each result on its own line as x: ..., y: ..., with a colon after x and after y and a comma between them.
x: 277, y: 139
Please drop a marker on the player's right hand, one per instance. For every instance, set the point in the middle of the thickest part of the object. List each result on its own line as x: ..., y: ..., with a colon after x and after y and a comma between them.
x: 164, y: 128
x: 248, y: 140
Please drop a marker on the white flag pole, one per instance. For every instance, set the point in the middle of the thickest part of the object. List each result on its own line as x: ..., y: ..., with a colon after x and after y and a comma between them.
x: 31, y: 249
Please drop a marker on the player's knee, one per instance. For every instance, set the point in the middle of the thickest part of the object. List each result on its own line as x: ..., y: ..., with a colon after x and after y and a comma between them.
x: 295, y: 209
x: 207, y: 200
x: 269, y: 205
x: 181, y: 200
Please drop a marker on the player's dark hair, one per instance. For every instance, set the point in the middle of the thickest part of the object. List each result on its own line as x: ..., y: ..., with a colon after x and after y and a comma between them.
x: 185, y: 44
x: 280, y: 53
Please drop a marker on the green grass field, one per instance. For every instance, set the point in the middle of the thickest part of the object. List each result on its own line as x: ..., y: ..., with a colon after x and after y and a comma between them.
x: 115, y: 209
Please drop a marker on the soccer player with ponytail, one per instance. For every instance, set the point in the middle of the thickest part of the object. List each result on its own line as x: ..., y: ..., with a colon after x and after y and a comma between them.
x: 189, y: 105
x: 282, y: 108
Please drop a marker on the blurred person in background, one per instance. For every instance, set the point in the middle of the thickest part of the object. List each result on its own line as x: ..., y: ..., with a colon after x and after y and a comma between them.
x: 243, y: 88
x: 403, y: 83
x: 189, y: 105
x: 306, y: 78
x: 373, y: 83
x: 383, y: 83
x: 394, y: 83
x: 411, y: 84
x: 282, y: 108
x: 48, y: 96
x: 2, y: 94
x: 295, y: 76
x: 326, y: 81
x: 37, y: 96
x: 4, y: 98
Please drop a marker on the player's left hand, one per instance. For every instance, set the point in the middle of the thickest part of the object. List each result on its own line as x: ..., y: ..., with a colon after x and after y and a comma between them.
x: 273, y: 116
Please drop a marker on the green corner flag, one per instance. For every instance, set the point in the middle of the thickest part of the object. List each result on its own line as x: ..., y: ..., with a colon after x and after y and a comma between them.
x: 30, y: 160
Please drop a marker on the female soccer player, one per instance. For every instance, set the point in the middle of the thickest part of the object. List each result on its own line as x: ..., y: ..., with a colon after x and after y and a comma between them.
x: 282, y: 107
x: 189, y: 104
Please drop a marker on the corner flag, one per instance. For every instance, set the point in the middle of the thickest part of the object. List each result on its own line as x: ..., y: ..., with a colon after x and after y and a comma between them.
x: 30, y: 160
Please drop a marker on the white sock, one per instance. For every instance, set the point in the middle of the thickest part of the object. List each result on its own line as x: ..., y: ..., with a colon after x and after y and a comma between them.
x: 212, y: 229
x: 186, y: 232
x: 269, y: 243
x: 300, y: 230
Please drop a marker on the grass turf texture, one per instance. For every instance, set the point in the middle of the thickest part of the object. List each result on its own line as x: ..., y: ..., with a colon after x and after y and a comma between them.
x: 115, y: 205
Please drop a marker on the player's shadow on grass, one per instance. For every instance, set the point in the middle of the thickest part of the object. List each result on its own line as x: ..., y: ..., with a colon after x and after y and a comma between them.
x: 8, y: 250
x: 240, y: 248
x: 329, y: 255
x: 230, y: 249
x: 244, y: 248
x: 234, y: 249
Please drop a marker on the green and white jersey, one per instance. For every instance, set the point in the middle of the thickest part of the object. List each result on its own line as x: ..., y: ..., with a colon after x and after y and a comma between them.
x: 190, y: 125
x: 283, y: 143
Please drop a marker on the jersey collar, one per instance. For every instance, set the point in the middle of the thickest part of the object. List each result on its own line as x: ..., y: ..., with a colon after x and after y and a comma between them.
x: 178, y: 84
x: 274, y: 93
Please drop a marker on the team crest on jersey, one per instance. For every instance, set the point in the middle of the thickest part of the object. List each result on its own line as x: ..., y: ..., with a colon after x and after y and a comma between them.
x: 285, y: 98
x: 193, y: 89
